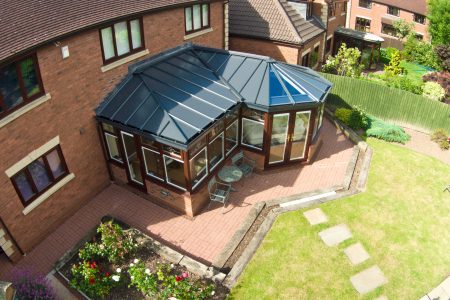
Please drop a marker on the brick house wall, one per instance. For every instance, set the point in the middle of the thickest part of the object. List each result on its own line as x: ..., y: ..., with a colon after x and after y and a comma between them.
x: 77, y: 85
x: 378, y: 11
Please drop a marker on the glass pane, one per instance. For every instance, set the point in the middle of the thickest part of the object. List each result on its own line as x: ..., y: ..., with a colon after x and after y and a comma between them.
x: 188, y: 18
x: 198, y: 167
x: 231, y: 116
x: 231, y: 137
x: 299, y: 135
x: 252, y: 133
x: 215, y: 150
x: 55, y: 163
x: 216, y: 130
x: 205, y: 15
x: 113, y: 147
x: 174, y: 171
x: 153, y: 163
x: 149, y: 143
x: 171, y: 150
x: 108, y: 127
x: 134, y: 164
x: 197, y: 146
x: 278, y: 138
x: 108, y: 44
x: 23, y: 186
x: 30, y: 77
x: 253, y: 114
x: 39, y: 174
x: 197, y: 17
x: 9, y: 86
x: 121, y: 33
x: 136, y: 40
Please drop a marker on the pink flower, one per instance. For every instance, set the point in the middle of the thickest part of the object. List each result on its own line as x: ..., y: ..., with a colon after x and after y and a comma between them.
x: 185, y: 275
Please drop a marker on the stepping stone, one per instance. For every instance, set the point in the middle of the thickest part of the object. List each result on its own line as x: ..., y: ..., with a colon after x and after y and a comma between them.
x: 382, y: 298
x: 335, y: 235
x: 315, y: 216
x: 368, y: 280
x: 356, y: 253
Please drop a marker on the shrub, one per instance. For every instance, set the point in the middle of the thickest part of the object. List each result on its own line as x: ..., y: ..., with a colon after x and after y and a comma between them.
x: 386, y: 54
x: 388, y: 132
x: 345, y: 63
x: 403, y: 83
x: 343, y: 114
x: 31, y: 287
x: 143, y: 279
x: 440, y: 137
x: 394, y: 64
x: 443, y: 78
x: 89, y: 279
x: 444, y: 145
x: 433, y: 91
x: 421, y: 52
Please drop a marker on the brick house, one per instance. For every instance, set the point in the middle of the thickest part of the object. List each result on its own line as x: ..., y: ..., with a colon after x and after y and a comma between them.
x: 297, y: 32
x: 58, y: 60
x: 378, y: 16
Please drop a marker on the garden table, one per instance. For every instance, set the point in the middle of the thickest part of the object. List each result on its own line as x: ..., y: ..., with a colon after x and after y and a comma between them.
x: 230, y: 174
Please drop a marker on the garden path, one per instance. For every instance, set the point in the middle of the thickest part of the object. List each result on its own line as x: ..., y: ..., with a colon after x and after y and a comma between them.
x: 422, y: 143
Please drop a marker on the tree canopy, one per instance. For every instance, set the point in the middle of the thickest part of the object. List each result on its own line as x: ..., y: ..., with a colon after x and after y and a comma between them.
x: 439, y: 17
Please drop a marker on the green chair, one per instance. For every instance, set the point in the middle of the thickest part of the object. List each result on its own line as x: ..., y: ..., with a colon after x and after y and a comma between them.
x: 218, y: 192
x: 245, y: 164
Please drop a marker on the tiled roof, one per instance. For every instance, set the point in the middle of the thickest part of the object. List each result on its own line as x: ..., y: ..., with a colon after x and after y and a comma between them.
x: 271, y: 19
x: 416, y: 6
x: 28, y: 23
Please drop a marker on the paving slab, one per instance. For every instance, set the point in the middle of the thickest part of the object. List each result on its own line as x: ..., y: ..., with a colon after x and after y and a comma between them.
x: 315, y: 216
x: 382, y: 298
x: 356, y: 253
x: 335, y: 235
x: 368, y: 280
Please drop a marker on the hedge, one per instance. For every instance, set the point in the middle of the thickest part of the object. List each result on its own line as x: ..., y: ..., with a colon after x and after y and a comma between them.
x: 389, y: 104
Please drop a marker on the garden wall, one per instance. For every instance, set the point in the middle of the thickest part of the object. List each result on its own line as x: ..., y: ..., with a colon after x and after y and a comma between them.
x: 389, y: 104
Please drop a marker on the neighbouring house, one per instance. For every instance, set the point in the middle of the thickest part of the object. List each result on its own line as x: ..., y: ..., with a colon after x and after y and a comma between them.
x: 58, y: 60
x: 378, y: 17
x: 294, y: 31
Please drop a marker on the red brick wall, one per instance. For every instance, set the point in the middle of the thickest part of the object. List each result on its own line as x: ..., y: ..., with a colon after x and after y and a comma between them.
x: 284, y: 53
x: 77, y: 86
x: 310, y: 45
x: 377, y: 12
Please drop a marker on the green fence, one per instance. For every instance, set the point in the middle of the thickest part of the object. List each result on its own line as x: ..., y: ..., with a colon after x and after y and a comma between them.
x: 390, y: 104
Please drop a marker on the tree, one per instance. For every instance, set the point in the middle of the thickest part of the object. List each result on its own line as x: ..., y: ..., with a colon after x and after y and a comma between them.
x: 443, y: 52
x: 394, y: 64
x: 345, y: 63
x: 403, y: 28
x: 421, y: 53
x: 439, y: 17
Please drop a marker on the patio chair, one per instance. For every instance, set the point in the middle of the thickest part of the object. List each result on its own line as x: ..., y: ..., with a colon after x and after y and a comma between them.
x: 218, y: 192
x: 245, y: 164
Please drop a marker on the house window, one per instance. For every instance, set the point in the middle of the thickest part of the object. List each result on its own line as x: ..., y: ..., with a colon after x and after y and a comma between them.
x: 215, y: 150
x: 314, y: 57
x: 419, y: 18
x: 328, y: 45
x: 365, y: 4
x: 419, y: 36
x: 309, y: 9
x: 252, y: 128
x: 112, y: 143
x: 196, y: 17
x: 388, y: 29
x: 153, y: 163
x: 121, y: 39
x: 344, y: 9
x: 231, y: 137
x: 20, y: 83
x: 305, y: 60
x: 392, y: 10
x: 362, y: 24
x: 40, y: 175
x: 331, y: 10
x: 174, y: 172
x: 198, y: 167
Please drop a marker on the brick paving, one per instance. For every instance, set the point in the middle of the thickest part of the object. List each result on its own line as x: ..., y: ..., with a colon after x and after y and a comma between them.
x: 205, y: 236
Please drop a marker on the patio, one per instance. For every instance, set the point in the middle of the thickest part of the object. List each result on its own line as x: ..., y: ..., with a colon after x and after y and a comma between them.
x: 205, y: 236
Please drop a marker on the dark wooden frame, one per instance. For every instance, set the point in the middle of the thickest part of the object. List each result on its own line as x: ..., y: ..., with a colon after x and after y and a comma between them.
x: 331, y: 10
x: 421, y: 16
x: 308, y: 58
x: 366, y: 28
x: 49, y: 173
x: 26, y: 100
x: 115, y: 133
x: 369, y: 2
x: 130, y: 43
x: 137, y: 144
x: 202, y: 27
x: 393, y: 7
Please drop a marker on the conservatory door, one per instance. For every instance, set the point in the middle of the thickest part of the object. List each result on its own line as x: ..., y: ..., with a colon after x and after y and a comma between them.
x: 299, y: 135
x: 133, y: 162
x: 279, y: 138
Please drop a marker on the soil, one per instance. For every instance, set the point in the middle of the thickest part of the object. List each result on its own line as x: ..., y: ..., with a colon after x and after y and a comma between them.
x: 151, y: 260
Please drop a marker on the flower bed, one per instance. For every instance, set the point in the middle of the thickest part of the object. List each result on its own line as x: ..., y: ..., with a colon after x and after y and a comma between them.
x: 119, y: 262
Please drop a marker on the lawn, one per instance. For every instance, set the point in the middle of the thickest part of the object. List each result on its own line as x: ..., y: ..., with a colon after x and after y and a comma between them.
x: 415, y: 72
x: 403, y: 221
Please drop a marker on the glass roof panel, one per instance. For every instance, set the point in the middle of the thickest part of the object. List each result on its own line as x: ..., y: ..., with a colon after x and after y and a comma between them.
x: 278, y: 95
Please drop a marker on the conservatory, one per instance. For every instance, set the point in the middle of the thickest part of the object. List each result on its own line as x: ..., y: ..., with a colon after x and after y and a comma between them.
x: 176, y: 118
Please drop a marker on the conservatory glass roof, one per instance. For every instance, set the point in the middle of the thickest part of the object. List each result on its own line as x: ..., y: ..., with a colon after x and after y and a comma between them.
x: 175, y: 96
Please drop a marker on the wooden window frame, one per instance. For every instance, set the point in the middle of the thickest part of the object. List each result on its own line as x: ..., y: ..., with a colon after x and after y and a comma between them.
x: 130, y: 43
x: 202, y: 27
x: 331, y: 10
x: 367, y: 28
x: 116, y: 134
x: 368, y: 2
x: 328, y: 45
x: 54, y: 180
x: 26, y: 100
x: 390, y: 7
x: 308, y: 58
x: 389, y: 27
x: 417, y: 16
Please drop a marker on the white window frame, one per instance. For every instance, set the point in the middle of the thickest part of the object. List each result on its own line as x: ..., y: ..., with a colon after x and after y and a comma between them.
x: 237, y: 135
x: 222, y: 134
x: 242, y: 133
x: 165, y: 170
x: 285, y: 137
x: 122, y: 133
x: 109, y: 150
x: 145, y: 163
x: 205, y: 149
x: 307, y: 135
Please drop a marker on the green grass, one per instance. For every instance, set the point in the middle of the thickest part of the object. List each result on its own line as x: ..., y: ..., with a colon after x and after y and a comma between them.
x: 402, y: 220
x: 415, y: 72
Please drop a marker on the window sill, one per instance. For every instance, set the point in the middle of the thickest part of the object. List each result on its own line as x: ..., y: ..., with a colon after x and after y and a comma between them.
x: 48, y: 193
x: 198, y: 33
x: 11, y: 117
x: 124, y: 60
x: 343, y: 14
x: 331, y: 19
